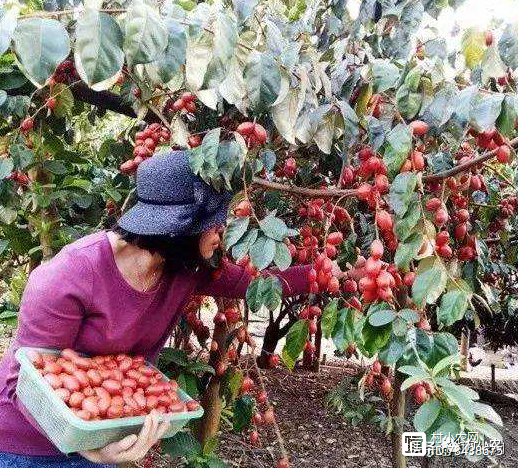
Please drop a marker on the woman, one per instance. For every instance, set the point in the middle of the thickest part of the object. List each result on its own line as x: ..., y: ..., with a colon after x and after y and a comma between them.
x: 122, y: 291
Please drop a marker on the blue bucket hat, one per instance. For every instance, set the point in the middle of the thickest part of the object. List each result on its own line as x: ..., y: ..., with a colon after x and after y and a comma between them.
x: 172, y: 200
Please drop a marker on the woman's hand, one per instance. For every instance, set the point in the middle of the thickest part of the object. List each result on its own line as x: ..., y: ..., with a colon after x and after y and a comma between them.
x: 132, y: 447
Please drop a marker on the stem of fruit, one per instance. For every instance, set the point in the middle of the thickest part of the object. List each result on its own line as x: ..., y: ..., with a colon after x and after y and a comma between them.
x: 275, y: 425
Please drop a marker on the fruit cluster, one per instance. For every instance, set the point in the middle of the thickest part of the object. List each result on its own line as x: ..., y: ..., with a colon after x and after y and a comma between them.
x: 109, y: 387
x: 507, y: 207
x: 146, y: 142
x: 19, y: 177
x: 379, y: 378
x: 253, y: 133
x: 321, y: 277
x: 493, y: 140
x: 422, y: 391
x: 184, y: 103
x: 318, y: 209
x: 65, y: 73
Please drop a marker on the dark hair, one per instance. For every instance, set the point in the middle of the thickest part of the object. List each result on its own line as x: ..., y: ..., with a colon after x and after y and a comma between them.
x: 179, y: 253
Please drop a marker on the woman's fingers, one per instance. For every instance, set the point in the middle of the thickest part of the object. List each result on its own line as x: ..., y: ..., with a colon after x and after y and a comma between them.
x: 126, y: 443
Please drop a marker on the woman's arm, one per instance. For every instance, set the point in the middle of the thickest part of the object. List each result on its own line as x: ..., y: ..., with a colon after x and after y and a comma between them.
x: 51, y: 310
x: 233, y: 281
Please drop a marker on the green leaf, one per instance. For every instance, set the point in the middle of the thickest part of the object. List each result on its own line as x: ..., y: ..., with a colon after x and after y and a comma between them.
x: 484, y: 110
x: 234, y: 231
x: 243, y: 408
x: 473, y: 46
x: 375, y: 338
x: 407, y: 251
x: 20, y: 240
x: 413, y: 371
x: 169, y: 62
x: 175, y: 356
x: 453, y: 306
x: 6, y: 167
x: 429, y: 285
x: 98, y: 48
x: 392, y: 351
x: 21, y: 155
x: 405, y: 226
x: 56, y: 167
x: 344, y: 331
x: 445, y: 362
x: 385, y: 75
x: 409, y: 315
x: 235, y: 380
x: 381, y: 317
x: 459, y: 397
x: 282, y: 256
x: 508, y: 45
x: 8, y: 21
x: 487, y: 412
x: 203, y: 159
x: 242, y: 247
x: 188, y: 383
x: 402, y: 192
x: 210, y: 446
x: 262, y: 79
x: 199, y: 54
x: 274, y: 227
x: 329, y: 318
x: 64, y: 100
x: 441, y: 107
x: 182, y: 444
x: 295, y: 342
x: 444, y: 344
x: 262, y: 252
x: 350, y: 122
x: 408, y: 102
x: 396, y: 148
x: 509, y: 116
x: 492, y: 65
x: 3, y: 245
x: 145, y: 35
x: 264, y: 292
x: 40, y: 45
x: 426, y: 415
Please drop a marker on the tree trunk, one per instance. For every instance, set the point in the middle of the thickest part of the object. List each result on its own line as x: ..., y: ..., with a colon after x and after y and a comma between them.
x: 397, y: 410
x: 208, y: 425
x: 271, y: 338
x: 318, y: 347
x: 464, y: 350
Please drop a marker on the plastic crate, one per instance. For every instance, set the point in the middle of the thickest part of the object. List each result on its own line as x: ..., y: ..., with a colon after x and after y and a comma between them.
x: 70, y: 433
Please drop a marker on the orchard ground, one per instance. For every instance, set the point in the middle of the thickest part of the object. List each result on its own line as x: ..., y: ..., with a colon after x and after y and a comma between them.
x: 314, y: 435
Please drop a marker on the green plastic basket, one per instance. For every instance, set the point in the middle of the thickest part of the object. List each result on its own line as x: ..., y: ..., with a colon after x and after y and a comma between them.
x: 70, y: 433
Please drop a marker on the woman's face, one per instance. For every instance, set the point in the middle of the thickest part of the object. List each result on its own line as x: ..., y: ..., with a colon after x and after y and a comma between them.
x: 210, y: 241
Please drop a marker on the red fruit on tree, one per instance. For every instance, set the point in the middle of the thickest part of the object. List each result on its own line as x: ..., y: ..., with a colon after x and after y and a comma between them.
x: 245, y: 128
x: 194, y: 141
x: 442, y: 238
x: 254, y: 438
x: 420, y: 395
x: 283, y: 463
x: 489, y: 38
x: 419, y: 127
x: 381, y: 183
x: 273, y: 360
x: 220, y: 319
x: 262, y: 397
x: 409, y: 279
x: 27, y: 125
x: 232, y: 315
x: 335, y: 238
x: 503, y: 154
x: 445, y: 251
x: 462, y: 216
x: 364, y: 191
x: 350, y: 286
x: 433, y: 204
x: 260, y: 134
x: 376, y: 367
x: 247, y: 385
x: 460, y: 231
x: 384, y: 220
x: 441, y: 217
x: 51, y: 103
x: 312, y: 327
x: 386, y: 387
x: 269, y: 416
x: 417, y: 160
x: 376, y: 249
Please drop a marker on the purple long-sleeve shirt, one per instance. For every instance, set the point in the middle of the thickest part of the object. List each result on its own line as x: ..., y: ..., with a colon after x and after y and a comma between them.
x: 80, y: 300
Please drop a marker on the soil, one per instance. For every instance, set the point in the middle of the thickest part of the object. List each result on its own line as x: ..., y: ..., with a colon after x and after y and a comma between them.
x: 315, y: 436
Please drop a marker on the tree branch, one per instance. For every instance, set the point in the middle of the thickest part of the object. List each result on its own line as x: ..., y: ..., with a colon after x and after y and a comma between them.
x: 307, y: 192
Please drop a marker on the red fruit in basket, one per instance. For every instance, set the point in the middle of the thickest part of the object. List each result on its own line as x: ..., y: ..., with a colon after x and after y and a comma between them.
x: 94, y: 377
x: 117, y: 400
x: 53, y: 380
x: 177, y: 407
x: 68, y: 367
x: 75, y: 400
x: 113, y: 387
x: 192, y: 405
x: 52, y: 368
x: 143, y: 381
x: 140, y: 400
x: 125, y: 364
x: 82, y: 378
x: 151, y: 402
x: 70, y: 383
x: 103, y: 404
x: 90, y: 404
x: 35, y: 358
x: 63, y: 393
x: 129, y: 383
x: 114, y: 412
x: 153, y: 390
x: 82, y: 363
